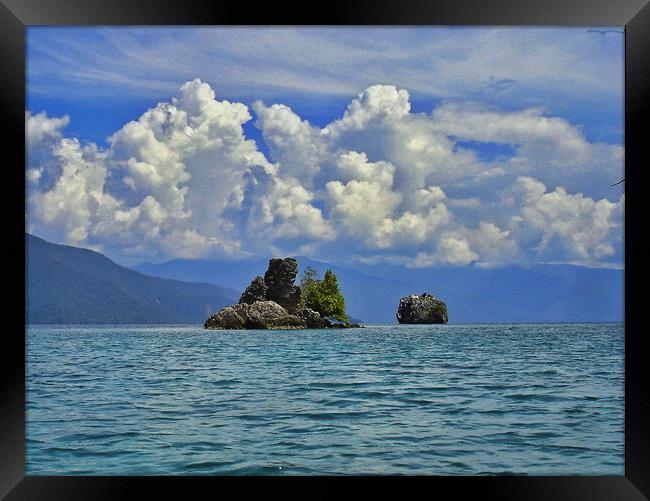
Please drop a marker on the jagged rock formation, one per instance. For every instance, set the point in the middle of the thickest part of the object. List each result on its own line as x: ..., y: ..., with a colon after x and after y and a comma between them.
x: 263, y: 315
x: 423, y: 309
x: 256, y: 291
x: 312, y: 318
x: 230, y: 317
x: 279, y: 280
x: 272, y: 302
x: 270, y: 315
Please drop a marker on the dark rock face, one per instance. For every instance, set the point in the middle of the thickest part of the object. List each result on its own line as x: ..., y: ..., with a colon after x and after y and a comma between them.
x: 423, y: 309
x: 312, y: 318
x: 256, y: 291
x: 333, y: 323
x: 279, y: 280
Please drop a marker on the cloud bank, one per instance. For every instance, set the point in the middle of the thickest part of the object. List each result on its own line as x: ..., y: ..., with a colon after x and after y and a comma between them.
x: 381, y: 182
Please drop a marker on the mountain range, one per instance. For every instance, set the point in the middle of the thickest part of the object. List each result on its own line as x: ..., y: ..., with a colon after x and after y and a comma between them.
x: 69, y: 285
x: 79, y: 286
x: 541, y: 293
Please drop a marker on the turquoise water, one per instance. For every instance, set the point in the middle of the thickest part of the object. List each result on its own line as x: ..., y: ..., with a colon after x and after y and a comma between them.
x: 435, y: 400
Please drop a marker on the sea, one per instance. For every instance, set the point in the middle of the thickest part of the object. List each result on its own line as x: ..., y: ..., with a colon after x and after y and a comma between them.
x: 498, y: 399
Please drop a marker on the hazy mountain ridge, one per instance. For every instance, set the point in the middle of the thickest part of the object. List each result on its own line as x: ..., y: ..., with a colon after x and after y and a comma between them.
x: 74, y: 285
x: 78, y: 286
x: 542, y: 293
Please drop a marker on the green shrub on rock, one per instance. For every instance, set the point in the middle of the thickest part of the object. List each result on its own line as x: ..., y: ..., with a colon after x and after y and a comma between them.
x: 438, y: 310
x: 323, y: 296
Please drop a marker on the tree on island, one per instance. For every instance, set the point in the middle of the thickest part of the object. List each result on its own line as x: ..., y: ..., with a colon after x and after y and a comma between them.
x: 323, y: 296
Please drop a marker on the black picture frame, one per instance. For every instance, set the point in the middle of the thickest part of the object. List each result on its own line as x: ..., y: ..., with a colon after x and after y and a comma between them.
x: 15, y: 15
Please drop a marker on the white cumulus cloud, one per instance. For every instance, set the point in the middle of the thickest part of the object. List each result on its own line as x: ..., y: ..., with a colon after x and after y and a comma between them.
x: 380, y: 182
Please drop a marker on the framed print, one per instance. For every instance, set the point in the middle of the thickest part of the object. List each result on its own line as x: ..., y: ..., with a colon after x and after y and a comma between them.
x: 381, y: 240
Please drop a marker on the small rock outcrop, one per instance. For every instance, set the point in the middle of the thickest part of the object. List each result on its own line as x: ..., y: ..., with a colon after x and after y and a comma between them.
x: 423, y: 309
x: 272, y: 302
x: 333, y: 323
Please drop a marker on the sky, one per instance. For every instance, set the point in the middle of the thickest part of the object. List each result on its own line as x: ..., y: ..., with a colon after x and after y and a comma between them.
x: 418, y: 146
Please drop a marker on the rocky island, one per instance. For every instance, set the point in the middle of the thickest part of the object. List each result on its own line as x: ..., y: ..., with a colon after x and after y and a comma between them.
x: 275, y: 302
x: 423, y: 309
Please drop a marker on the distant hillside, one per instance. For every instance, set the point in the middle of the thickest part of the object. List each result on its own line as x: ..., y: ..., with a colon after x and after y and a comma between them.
x: 235, y: 275
x: 543, y: 293
x: 79, y: 286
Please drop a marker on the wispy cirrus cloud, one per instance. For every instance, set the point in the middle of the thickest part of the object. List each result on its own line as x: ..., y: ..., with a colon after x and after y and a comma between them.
x: 518, y: 64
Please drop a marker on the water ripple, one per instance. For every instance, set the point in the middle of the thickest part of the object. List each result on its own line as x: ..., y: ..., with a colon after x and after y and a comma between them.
x: 442, y: 400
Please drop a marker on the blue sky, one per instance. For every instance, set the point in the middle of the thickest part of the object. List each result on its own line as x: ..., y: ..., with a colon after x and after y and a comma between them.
x: 423, y: 146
